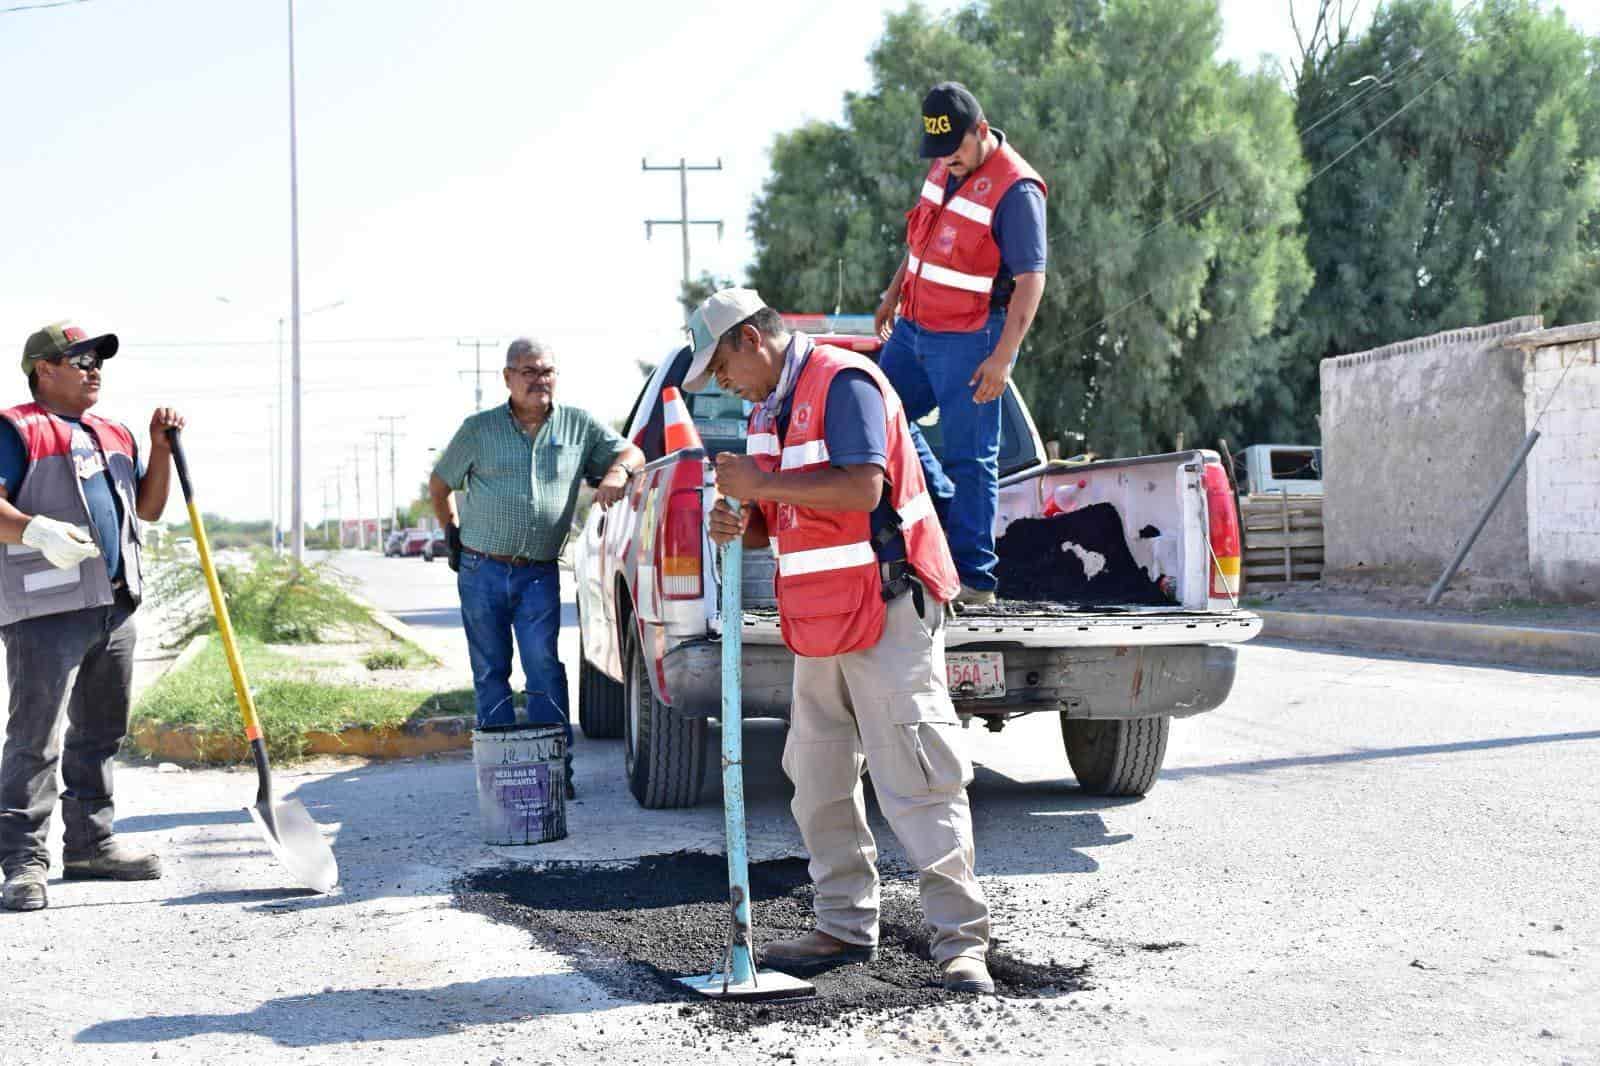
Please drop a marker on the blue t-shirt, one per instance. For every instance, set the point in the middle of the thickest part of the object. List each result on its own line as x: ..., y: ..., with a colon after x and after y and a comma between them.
x: 1019, y: 230
x: 105, y: 507
x: 857, y: 431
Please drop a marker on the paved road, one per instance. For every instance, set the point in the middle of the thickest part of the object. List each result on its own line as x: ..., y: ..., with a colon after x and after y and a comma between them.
x: 1356, y: 860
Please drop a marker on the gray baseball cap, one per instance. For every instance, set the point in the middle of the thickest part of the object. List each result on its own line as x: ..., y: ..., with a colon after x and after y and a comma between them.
x: 720, y: 312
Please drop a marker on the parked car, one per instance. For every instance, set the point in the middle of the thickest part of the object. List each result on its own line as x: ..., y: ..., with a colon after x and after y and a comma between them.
x: 435, y: 548
x: 1116, y: 670
x: 415, y: 541
x: 394, y: 543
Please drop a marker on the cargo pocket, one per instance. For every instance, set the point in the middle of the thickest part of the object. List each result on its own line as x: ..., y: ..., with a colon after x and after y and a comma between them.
x: 924, y: 754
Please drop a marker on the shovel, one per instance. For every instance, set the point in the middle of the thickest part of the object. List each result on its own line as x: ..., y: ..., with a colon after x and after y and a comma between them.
x: 290, y: 833
x: 738, y: 977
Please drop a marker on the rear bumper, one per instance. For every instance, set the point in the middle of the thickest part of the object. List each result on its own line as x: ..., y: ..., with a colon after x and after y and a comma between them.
x: 694, y: 679
x: 1103, y: 683
x: 1111, y: 683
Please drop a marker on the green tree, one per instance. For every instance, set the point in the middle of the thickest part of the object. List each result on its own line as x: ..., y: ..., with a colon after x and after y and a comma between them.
x: 692, y: 293
x: 1475, y: 197
x: 1176, y: 258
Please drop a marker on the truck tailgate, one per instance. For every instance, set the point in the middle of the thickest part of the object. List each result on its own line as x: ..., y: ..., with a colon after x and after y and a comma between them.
x: 1133, y: 627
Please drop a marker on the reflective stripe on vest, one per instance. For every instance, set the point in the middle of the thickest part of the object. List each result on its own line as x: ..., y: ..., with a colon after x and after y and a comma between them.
x: 761, y: 444
x: 815, y: 560
x: 955, y: 279
x: 811, y: 453
x: 915, y: 509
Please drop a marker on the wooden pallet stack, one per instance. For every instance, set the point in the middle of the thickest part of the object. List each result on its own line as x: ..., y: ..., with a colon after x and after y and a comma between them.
x: 1282, y: 537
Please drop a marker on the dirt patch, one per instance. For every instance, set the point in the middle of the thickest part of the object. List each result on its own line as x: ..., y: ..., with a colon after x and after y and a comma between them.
x: 634, y: 928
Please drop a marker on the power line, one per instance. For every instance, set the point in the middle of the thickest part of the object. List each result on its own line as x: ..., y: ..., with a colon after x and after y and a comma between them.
x: 40, y: 6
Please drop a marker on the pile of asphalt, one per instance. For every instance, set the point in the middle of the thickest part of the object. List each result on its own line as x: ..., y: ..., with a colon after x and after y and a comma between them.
x: 633, y: 928
x: 1049, y: 559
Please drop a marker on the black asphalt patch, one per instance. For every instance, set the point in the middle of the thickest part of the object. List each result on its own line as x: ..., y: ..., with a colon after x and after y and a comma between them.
x: 633, y: 928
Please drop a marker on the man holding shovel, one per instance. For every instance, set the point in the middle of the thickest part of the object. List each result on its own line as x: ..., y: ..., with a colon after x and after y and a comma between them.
x: 72, y: 489
x: 864, y: 575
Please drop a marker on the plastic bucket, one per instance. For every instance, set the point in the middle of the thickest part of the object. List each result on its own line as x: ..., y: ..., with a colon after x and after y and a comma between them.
x: 522, y: 784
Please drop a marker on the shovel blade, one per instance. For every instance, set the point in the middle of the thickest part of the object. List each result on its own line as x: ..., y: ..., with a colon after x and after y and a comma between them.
x: 297, y: 842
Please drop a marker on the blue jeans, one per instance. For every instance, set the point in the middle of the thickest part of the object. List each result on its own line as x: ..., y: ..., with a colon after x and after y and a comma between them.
x: 932, y: 370
x: 499, y: 601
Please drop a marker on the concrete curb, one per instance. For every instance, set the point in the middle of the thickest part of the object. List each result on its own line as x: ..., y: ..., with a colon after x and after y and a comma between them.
x: 396, y: 628
x: 190, y: 745
x: 1565, y: 649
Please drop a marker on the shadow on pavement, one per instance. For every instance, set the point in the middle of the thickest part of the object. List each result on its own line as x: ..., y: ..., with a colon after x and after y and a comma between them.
x: 437, y: 616
x: 144, y: 823
x: 1259, y: 766
x: 368, y: 1015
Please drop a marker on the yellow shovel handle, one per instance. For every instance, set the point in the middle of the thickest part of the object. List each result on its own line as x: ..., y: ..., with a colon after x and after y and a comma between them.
x: 230, y: 646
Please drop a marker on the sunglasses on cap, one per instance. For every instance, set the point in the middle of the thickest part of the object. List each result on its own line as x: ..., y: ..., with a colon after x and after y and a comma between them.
x: 85, y: 361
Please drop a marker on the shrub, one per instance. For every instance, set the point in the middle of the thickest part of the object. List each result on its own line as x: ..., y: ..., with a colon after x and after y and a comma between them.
x: 385, y: 659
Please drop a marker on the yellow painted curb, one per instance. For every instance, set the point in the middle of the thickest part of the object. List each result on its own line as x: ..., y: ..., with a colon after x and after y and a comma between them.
x: 189, y: 744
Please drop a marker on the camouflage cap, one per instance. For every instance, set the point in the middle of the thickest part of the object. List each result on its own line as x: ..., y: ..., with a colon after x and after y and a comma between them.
x: 61, y: 339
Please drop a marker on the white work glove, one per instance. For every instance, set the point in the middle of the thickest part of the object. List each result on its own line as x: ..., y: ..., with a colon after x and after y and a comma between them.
x: 63, y: 544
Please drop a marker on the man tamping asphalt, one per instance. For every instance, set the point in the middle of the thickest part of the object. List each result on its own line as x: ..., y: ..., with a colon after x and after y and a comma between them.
x: 957, y: 311
x: 518, y: 468
x: 864, y: 576
x: 73, y: 488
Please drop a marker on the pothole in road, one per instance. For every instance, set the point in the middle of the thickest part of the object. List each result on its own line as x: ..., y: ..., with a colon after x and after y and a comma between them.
x: 635, y: 927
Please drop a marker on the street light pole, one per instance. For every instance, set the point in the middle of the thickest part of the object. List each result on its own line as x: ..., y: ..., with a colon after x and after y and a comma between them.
x: 296, y: 493
x: 277, y: 466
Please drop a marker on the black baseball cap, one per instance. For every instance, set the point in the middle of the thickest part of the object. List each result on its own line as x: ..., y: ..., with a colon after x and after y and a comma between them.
x: 949, y: 112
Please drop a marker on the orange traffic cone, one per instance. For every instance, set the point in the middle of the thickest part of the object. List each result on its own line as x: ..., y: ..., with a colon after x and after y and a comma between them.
x: 680, y: 429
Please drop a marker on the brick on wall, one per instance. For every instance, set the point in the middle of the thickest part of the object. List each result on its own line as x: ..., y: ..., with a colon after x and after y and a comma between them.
x: 1563, y: 488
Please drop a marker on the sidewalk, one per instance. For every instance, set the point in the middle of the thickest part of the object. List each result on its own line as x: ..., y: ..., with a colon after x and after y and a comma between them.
x: 1530, y: 635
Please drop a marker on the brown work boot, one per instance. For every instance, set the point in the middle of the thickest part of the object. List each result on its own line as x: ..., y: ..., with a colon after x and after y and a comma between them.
x: 962, y: 974
x: 112, y: 861
x: 971, y: 597
x: 24, y: 889
x: 813, y: 952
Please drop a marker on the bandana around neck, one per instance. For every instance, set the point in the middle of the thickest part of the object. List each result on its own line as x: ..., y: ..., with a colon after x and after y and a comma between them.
x: 800, y: 346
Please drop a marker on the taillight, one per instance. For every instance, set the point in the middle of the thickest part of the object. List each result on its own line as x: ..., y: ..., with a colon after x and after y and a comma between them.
x: 679, y: 540
x: 1223, y: 520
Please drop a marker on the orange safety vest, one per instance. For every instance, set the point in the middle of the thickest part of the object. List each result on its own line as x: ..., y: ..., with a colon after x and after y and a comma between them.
x: 830, y: 592
x: 953, y: 256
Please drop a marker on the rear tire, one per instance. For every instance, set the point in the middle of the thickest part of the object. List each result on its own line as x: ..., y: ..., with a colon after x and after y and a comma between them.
x: 600, y: 703
x: 1116, y: 757
x: 664, y: 753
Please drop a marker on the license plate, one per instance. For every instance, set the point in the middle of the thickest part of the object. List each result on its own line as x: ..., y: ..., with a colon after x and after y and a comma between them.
x: 975, y: 674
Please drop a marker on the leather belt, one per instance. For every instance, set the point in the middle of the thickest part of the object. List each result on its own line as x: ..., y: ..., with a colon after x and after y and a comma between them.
x: 509, y: 560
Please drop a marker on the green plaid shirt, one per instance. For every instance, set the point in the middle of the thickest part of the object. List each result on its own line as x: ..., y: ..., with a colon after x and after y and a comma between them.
x: 517, y: 492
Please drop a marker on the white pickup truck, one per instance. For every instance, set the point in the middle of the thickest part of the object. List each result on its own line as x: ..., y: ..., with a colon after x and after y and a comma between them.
x: 1117, y: 610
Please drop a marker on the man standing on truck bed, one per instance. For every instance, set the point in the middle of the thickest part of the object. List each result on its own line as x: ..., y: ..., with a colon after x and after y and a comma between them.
x: 863, y: 578
x: 966, y: 293
x: 520, y: 466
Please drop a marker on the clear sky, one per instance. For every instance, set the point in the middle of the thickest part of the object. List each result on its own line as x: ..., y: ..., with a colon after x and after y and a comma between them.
x: 468, y: 170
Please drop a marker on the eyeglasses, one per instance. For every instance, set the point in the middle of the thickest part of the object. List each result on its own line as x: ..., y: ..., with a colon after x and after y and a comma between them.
x: 85, y: 361
x: 535, y: 373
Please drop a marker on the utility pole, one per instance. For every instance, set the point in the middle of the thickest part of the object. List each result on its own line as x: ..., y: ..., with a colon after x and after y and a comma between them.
x: 394, y: 495
x: 327, y: 543
x: 477, y: 344
x: 274, y: 461
x: 361, y: 523
x: 683, y: 220
x: 377, y: 494
x: 338, y: 503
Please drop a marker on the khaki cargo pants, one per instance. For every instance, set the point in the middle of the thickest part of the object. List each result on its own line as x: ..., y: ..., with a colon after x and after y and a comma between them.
x: 886, y: 710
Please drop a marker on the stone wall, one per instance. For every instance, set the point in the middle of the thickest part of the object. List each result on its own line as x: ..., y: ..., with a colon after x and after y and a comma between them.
x: 1415, y: 437
x: 1563, y: 484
